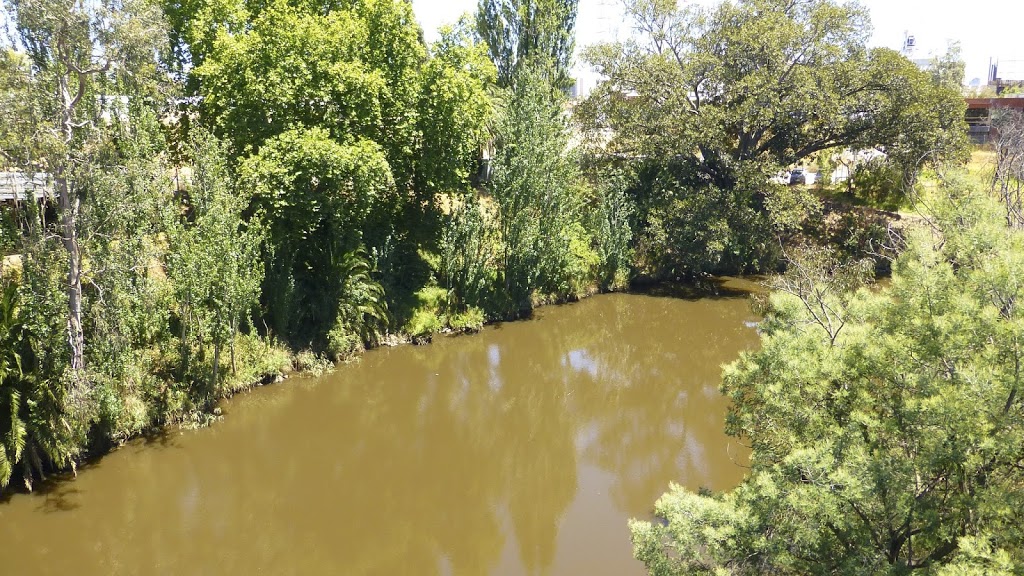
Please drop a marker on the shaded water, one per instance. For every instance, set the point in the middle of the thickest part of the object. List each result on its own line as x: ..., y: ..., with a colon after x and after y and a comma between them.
x: 519, y: 450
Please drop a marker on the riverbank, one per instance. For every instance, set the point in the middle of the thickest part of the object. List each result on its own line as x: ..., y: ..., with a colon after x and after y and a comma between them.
x: 264, y: 362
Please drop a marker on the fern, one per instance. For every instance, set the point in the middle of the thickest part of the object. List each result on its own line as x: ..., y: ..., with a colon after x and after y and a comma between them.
x: 12, y: 428
x: 362, y: 309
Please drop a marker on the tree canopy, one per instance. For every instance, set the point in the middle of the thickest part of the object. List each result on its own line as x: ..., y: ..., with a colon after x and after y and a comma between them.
x: 885, y: 425
x: 520, y: 31
x: 761, y: 80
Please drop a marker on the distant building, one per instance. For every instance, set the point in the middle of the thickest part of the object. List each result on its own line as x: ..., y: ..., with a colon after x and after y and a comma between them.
x: 924, y: 64
x: 979, y: 115
x: 15, y: 187
x: 909, y: 44
x: 1003, y: 74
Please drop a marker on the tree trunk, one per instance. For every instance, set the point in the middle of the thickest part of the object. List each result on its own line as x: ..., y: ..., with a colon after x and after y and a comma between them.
x: 216, y: 364
x: 186, y: 317
x: 68, y: 206
x: 234, y: 332
x: 216, y: 353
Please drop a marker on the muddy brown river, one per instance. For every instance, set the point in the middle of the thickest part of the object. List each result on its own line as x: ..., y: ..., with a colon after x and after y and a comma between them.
x: 519, y: 450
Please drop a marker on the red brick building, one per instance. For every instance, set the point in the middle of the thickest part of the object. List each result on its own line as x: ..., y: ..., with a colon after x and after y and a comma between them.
x: 979, y: 115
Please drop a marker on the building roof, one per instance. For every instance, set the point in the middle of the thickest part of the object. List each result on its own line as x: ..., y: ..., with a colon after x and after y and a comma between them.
x: 987, y: 103
x: 15, y: 186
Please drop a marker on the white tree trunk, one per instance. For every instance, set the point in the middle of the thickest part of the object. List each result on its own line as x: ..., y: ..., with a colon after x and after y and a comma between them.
x: 68, y: 206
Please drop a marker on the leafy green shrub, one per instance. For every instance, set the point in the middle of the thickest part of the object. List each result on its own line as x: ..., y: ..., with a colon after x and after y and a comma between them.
x: 582, y: 262
x: 471, y: 320
x: 465, y: 260
x: 613, y: 229
x: 321, y: 200
x: 854, y: 233
x: 429, y: 315
x: 310, y: 363
x: 694, y: 228
x: 878, y: 183
x: 125, y: 406
x: 43, y: 418
x: 258, y: 360
x: 424, y: 323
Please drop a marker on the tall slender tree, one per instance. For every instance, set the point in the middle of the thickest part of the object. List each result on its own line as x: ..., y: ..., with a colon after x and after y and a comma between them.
x: 519, y: 30
x: 75, y: 48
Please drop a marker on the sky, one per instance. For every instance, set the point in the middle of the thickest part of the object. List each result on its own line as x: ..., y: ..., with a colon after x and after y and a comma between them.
x: 985, y: 28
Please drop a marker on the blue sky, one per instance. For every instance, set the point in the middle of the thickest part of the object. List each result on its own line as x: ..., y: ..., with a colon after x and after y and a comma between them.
x: 985, y: 28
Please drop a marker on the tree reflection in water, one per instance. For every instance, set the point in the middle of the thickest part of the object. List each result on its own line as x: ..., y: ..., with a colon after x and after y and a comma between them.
x: 493, y: 453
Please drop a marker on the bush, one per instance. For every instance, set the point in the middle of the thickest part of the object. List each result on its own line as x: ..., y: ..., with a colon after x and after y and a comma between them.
x: 469, y: 321
x: 878, y: 183
x: 428, y: 317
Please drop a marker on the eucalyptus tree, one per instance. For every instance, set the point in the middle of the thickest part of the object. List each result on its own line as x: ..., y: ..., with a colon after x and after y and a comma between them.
x: 18, y: 109
x: 76, y: 51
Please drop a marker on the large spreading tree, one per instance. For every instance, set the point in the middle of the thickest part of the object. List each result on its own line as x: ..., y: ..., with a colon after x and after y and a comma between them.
x: 703, y: 104
x: 762, y: 80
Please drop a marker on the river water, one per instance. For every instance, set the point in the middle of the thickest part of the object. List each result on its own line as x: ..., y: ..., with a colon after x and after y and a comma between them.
x: 520, y: 450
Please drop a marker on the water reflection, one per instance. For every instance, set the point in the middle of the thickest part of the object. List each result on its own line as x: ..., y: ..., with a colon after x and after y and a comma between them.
x: 521, y: 450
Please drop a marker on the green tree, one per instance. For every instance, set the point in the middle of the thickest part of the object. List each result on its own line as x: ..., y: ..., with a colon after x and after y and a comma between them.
x: 126, y: 201
x: 214, y: 261
x: 352, y: 69
x: 454, y: 110
x: 19, y: 109
x: 885, y: 425
x: 533, y: 186
x: 465, y: 253
x: 73, y: 47
x: 705, y: 103
x: 321, y: 201
x: 358, y: 76
x: 759, y: 80
x: 522, y: 33
x: 947, y: 69
x: 290, y: 68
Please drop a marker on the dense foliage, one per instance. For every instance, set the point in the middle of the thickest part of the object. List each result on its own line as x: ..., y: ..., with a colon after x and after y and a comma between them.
x: 706, y: 103
x: 885, y: 424
x: 311, y: 177
x: 525, y: 33
x: 234, y: 181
